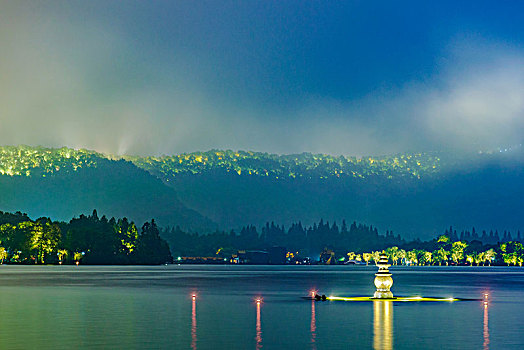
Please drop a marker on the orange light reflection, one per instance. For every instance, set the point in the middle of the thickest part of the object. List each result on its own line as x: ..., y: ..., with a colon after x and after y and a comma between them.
x: 258, y: 337
x: 485, y: 332
x: 313, y: 326
x: 193, y: 324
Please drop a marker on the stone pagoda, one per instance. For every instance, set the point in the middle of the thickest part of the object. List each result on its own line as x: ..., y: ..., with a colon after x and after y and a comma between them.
x: 383, y: 280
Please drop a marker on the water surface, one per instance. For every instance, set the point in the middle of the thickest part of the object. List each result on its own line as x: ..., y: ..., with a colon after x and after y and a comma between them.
x: 64, y: 307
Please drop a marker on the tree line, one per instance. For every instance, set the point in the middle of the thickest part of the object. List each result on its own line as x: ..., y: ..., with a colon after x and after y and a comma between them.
x: 353, y: 243
x: 443, y: 250
x: 311, y: 240
x: 94, y: 240
x: 86, y: 240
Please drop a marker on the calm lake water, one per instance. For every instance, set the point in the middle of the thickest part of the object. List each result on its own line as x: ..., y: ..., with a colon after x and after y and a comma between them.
x: 69, y: 307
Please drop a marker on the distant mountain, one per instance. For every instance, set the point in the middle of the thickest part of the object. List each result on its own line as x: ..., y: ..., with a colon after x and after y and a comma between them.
x: 62, y: 183
x: 416, y: 195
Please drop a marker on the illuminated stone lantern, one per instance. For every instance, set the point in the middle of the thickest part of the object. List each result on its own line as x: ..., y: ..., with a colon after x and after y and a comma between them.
x: 383, y: 280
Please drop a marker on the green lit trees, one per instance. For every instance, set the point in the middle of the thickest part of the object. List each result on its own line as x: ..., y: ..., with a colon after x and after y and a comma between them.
x: 402, y: 255
x: 91, y: 239
x: 470, y: 258
x: 367, y: 257
x: 45, y: 238
x: 62, y: 255
x: 428, y: 258
x: 411, y: 256
x: 29, y: 161
x: 480, y: 258
x: 376, y: 256
x: 34, y: 240
x: 443, y: 239
x: 288, y: 166
x: 3, y: 255
x: 441, y: 255
x: 17, y: 239
x: 489, y: 255
x: 393, y: 254
x: 127, y: 234
x: 77, y: 257
x: 512, y: 253
x: 457, y: 251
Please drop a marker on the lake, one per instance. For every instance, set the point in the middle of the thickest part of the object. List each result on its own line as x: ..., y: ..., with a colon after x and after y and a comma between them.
x: 130, y: 307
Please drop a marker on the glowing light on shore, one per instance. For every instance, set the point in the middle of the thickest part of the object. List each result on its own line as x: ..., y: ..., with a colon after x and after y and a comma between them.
x: 400, y: 299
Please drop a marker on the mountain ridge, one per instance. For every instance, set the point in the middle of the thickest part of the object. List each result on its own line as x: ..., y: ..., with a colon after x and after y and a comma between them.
x: 63, y: 183
x: 414, y: 194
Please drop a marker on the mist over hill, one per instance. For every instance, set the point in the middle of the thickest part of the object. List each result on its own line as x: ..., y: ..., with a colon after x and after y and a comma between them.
x: 416, y: 195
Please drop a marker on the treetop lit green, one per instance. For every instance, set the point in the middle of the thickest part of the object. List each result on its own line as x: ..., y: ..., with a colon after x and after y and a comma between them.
x: 39, y: 161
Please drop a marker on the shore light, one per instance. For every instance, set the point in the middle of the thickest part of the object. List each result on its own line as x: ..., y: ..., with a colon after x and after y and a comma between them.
x: 383, y: 283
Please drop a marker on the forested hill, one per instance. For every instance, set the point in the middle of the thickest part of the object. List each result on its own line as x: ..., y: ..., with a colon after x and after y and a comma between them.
x: 41, y: 161
x: 305, y: 165
x: 63, y: 183
x: 414, y: 194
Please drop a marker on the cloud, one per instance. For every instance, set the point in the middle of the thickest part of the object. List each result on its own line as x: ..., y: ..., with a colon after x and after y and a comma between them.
x: 89, y: 84
x: 482, y: 107
x: 473, y: 104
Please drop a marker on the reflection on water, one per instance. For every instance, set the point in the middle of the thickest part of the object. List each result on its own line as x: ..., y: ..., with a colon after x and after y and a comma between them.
x: 258, y: 337
x: 382, y: 325
x: 313, y: 326
x: 486, y: 326
x: 193, y: 324
x: 52, y: 307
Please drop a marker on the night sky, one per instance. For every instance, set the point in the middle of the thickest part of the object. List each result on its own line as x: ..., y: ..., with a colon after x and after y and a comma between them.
x: 352, y: 77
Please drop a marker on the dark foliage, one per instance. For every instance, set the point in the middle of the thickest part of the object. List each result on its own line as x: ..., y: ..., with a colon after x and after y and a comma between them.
x: 311, y: 240
x: 86, y: 239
